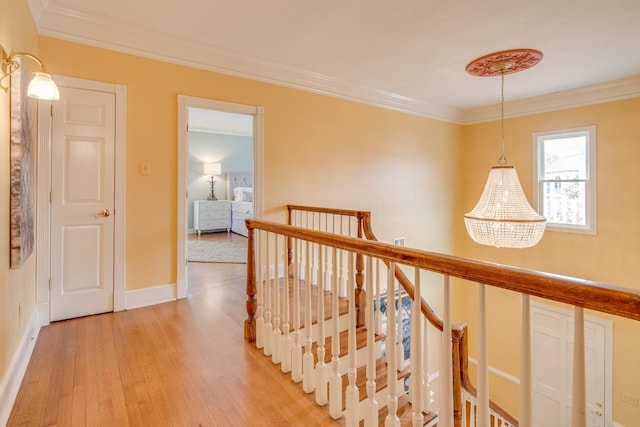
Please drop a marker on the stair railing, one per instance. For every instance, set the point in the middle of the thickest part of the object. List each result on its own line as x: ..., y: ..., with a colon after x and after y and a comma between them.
x: 357, y: 223
x: 580, y: 293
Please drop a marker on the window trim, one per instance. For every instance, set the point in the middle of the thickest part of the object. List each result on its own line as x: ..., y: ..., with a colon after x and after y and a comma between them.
x: 590, y: 181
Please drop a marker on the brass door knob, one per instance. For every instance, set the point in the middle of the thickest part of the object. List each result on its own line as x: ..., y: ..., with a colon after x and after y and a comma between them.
x: 104, y: 212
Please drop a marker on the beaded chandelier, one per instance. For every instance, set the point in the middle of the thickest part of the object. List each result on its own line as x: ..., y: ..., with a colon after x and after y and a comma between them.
x: 503, y: 217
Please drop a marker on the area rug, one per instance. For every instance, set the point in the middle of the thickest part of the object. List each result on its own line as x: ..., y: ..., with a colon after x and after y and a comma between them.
x: 206, y: 251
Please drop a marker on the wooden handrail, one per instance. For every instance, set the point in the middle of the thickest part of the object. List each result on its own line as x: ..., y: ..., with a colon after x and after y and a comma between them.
x: 605, y: 298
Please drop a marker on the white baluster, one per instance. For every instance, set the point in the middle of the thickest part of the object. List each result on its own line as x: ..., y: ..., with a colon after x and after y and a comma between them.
x: 276, y: 340
x: 526, y: 384
x: 464, y: 408
x: 321, y: 367
x: 483, y: 362
x: 343, y: 278
x: 446, y: 368
x: 308, y: 377
x: 296, y: 351
x: 392, y: 419
x: 268, y: 327
x: 578, y: 403
x: 353, y: 395
x: 378, y: 312
x: 472, y: 413
x: 335, y: 381
x: 400, y: 335
x: 371, y: 411
x: 427, y: 393
x: 259, y: 289
x: 285, y: 346
x: 417, y: 374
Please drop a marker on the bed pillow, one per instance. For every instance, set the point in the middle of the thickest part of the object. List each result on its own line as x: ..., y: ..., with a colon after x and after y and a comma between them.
x: 247, y: 196
x: 240, y: 194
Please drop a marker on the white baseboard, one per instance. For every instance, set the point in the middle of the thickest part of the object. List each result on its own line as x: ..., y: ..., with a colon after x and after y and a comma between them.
x: 149, y: 296
x: 15, y: 373
x: 615, y: 424
x: 43, y: 313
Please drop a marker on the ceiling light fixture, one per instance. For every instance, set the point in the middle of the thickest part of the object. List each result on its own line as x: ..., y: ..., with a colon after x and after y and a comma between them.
x: 41, y: 86
x: 503, y: 217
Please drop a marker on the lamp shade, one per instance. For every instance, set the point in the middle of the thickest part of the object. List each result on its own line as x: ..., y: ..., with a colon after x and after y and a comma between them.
x: 503, y: 216
x: 212, y: 168
x: 42, y: 86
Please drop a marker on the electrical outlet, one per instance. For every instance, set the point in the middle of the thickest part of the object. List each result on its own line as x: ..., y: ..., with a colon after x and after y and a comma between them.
x: 398, y: 241
x: 629, y: 398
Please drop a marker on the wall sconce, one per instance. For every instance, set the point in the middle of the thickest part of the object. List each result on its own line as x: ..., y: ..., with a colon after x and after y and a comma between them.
x: 212, y: 169
x: 41, y: 86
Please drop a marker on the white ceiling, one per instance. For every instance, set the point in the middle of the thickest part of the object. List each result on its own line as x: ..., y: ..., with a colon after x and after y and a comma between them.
x: 407, y: 54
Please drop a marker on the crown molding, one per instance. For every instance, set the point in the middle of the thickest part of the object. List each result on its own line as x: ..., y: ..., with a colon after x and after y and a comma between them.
x: 595, y: 94
x: 89, y: 28
x: 93, y: 29
x: 37, y: 8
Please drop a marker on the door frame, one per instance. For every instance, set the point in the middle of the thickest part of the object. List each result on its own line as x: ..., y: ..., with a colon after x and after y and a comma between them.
x: 184, y: 102
x: 43, y: 191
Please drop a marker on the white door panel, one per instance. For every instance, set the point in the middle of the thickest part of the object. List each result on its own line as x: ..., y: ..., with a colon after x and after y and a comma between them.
x: 82, y: 200
x: 552, y: 366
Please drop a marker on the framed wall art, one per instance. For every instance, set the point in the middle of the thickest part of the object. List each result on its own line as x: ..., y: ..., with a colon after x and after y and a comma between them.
x: 22, y: 167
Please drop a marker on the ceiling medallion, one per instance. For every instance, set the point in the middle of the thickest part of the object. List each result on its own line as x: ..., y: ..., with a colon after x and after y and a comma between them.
x: 504, y: 62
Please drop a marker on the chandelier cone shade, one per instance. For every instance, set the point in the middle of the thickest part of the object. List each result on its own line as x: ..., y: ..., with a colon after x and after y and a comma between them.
x: 503, y: 217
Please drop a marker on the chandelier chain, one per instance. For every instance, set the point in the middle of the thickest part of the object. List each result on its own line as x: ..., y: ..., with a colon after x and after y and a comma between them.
x: 503, y: 158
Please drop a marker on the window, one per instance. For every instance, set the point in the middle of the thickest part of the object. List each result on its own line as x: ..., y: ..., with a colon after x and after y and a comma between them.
x: 564, y: 181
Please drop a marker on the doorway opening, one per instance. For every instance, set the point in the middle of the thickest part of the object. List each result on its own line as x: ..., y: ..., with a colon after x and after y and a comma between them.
x: 219, y: 181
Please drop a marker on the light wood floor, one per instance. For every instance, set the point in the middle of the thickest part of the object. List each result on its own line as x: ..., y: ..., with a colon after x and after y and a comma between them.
x: 182, y: 363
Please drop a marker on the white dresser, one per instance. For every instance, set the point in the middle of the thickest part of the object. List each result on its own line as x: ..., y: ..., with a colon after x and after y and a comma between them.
x: 211, y: 215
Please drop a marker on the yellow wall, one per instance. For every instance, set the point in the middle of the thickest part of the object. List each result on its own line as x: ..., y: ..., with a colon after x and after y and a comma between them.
x: 611, y: 256
x: 411, y: 172
x: 17, y: 287
x: 317, y: 150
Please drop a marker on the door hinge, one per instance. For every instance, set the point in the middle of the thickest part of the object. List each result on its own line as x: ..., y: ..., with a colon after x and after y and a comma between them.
x: 51, y: 110
x: 50, y: 197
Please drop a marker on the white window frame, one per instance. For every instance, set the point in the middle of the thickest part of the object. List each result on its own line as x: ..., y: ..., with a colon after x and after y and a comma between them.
x: 590, y: 181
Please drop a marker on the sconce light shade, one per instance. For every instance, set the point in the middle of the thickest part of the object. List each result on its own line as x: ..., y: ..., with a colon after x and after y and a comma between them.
x: 43, y: 87
x: 212, y: 168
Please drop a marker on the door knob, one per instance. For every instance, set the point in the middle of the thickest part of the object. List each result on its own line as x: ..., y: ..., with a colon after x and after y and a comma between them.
x: 104, y: 212
x: 597, y: 413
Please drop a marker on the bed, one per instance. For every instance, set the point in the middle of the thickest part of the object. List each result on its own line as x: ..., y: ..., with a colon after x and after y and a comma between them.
x: 240, y: 192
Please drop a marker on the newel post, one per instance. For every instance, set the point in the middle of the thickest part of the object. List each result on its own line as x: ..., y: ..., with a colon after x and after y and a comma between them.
x: 360, y: 295
x: 250, y: 322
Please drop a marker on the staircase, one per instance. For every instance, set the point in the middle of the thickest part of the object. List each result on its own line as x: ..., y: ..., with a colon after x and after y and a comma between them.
x: 328, y: 366
x: 318, y: 290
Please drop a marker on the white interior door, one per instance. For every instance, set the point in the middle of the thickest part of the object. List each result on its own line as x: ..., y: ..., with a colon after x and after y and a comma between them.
x: 552, y: 344
x: 82, y: 203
